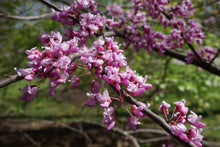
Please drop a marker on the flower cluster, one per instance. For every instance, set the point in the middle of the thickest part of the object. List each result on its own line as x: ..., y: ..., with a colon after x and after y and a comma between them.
x: 141, y: 35
x: 207, y: 53
x: 84, y: 15
x: 53, y: 63
x: 106, y: 52
x: 69, y: 14
x: 179, y: 119
x: 105, y: 61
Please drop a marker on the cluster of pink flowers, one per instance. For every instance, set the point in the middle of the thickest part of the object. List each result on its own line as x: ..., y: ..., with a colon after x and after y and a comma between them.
x: 210, y: 21
x: 141, y: 35
x: 53, y: 63
x: 85, y: 16
x: 179, y: 119
x: 207, y: 53
x: 74, y: 11
x: 104, y: 61
x: 106, y: 52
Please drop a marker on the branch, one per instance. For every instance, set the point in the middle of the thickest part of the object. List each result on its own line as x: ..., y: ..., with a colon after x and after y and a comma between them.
x: 88, y: 139
x: 189, y: 45
x: 18, y: 17
x: 63, y: 1
x: 51, y: 5
x: 157, y: 119
x: 193, y: 50
x: 216, y: 55
x: 206, y: 66
x: 31, y: 140
x: 9, y: 80
x: 117, y: 130
x: 154, y: 131
x: 156, y: 139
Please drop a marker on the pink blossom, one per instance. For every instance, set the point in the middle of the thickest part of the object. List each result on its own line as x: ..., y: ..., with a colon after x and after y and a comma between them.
x: 164, y: 107
x: 133, y: 122
x: 28, y: 73
x: 194, y: 120
x: 178, y: 129
x: 29, y: 92
x: 180, y: 107
x: 95, y: 86
x: 109, y: 117
x: 105, y: 99
x: 75, y: 80
x: 137, y: 110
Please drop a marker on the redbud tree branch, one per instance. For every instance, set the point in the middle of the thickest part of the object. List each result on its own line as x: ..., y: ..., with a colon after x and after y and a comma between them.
x: 51, y: 5
x: 18, y: 17
x: 9, y: 80
x: 189, y: 45
x: 156, y: 118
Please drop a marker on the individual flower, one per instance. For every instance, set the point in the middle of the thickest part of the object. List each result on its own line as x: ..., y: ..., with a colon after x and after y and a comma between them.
x: 164, y: 107
x: 180, y: 107
x: 193, y: 119
x: 178, y: 129
x: 75, y: 80
x: 133, y: 122
x: 29, y: 92
x: 105, y: 99
x: 109, y: 117
x: 137, y: 110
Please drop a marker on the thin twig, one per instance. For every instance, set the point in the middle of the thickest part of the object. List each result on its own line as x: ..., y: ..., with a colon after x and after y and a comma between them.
x: 31, y: 140
x: 49, y: 4
x: 211, y: 143
x: 156, y: 118
x: 18, y: 17
x: 154, y: 131
x: 189, y: 45
x: 216, y: 55
x: 156, y: 139
x: 117, y: 130
x: 88, y: 139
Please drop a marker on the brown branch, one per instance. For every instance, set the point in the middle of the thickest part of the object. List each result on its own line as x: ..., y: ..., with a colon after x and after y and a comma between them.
x: 18, y: 17
x: 88, y: 139
x: 193, y: 50
x: 31, y: 140
x: 156, y: 139
x: 9, y: 80
x: 154, y: 131
x: 156, y: 118
x: 188, y: 44
x: 51, y: 5
x: 216, y: 55
x: 63, y: 1
x: 211, y: 143
x: 115, y: 129
x: 206, y: 66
